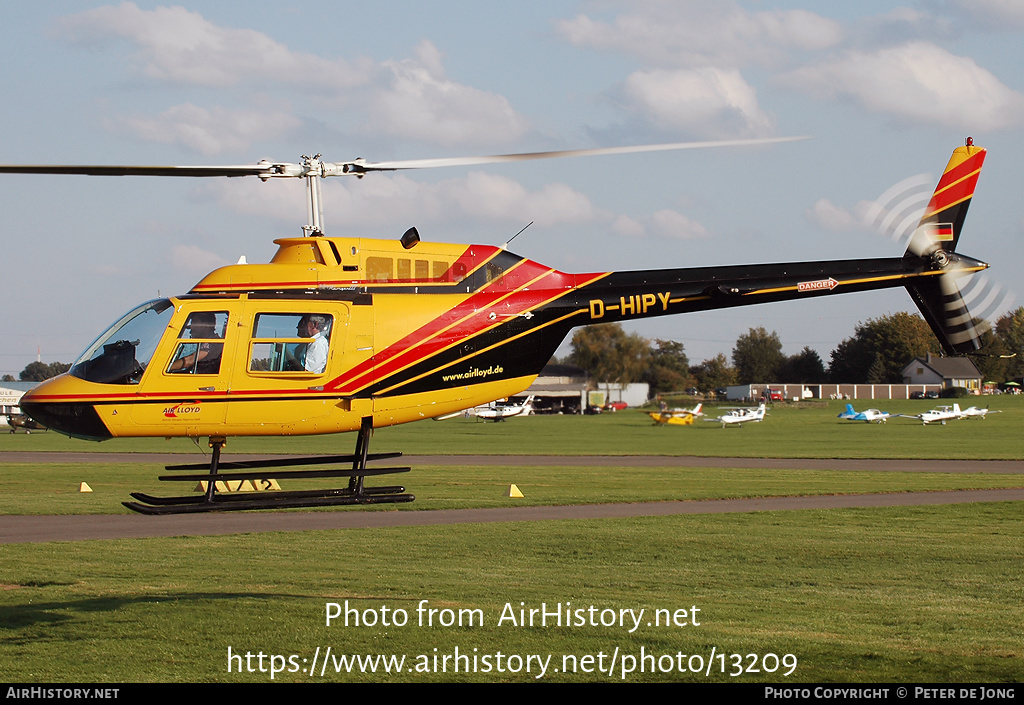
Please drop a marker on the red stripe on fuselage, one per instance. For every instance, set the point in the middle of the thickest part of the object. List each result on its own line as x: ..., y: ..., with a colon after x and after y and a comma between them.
x: 483, y: 298
x: 466, y: 320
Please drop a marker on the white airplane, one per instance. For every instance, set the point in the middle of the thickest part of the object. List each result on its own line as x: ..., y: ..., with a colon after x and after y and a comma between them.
x: 676, y: 417
x: 741, y: 416
x: 942, y: 414
x: 499, y: 412
x: 972, y: 412
x: 868, y: 415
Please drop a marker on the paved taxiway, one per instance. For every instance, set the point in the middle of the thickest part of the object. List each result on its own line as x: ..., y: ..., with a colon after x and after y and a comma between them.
x: 27, y: 529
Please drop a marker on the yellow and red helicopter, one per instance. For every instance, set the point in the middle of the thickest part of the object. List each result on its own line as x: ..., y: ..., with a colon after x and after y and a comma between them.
x: 340, y: 334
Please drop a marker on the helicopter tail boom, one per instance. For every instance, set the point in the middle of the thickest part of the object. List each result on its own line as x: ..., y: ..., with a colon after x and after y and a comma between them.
x: 929, y: 270
x: 626, y: 295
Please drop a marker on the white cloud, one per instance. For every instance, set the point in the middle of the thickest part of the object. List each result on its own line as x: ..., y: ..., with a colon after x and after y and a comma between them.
x: 393, y: 201
x: 665, y: 223
x: 390, y: 203
x: 669, y: 223
x: 894, y: 213
x: 710, y: 102
x: 700, y: 33
x: 195, y: 260
x: 420, y: 102
x: 210, y: 131
x: 411, y: 98
x: 994, y: 14
x: 917, y: 82
x: 628, y: 227
x: 829, y: 216
x: 490, y: 197
x: 177, y: 45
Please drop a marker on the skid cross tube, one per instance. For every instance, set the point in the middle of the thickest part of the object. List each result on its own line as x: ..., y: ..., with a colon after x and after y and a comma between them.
x: 213, y: 500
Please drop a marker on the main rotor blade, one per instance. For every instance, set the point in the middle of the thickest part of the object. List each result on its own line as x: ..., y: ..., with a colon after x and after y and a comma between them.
x: 315, y: 167
x: 527, y: 156
x: 112, y: 170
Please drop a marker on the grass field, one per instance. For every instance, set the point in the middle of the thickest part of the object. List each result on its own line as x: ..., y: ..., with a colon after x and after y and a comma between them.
x: 912, y: 594
x: 916, y: 594
x: 810, y: 432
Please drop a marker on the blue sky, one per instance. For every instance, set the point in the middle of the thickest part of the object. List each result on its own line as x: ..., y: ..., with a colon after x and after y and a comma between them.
x: 885, y: 90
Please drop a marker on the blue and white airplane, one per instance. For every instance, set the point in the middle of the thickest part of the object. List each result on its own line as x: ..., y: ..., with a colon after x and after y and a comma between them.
x: 867, y: 416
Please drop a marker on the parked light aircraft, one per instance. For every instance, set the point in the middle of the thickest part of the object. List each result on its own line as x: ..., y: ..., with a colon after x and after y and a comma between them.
x: 349, y: 333
x: 500, y: 411
x: 676, y: 417
x: 16, y: 421
x: 741, y: 416
x: 974, y: 412
x: 942, y: 414
x: 868, y: 415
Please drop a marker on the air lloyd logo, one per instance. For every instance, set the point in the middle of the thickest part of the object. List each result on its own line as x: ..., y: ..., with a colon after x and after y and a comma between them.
x: 184, y: 409
x: 829, y: 284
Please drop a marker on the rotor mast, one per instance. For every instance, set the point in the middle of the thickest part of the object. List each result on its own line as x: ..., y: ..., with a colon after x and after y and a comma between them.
x: 314, y: 171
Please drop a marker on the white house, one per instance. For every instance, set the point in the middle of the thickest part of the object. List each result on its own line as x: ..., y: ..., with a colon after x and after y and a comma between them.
x: 948, y: 371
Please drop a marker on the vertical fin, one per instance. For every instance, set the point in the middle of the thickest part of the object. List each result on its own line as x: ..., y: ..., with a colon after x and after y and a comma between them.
x: 938, y: 297
x: 944, y: 217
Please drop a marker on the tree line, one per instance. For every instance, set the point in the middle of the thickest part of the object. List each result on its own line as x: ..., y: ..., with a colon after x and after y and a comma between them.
x: 38, y: 371
x: 876, y: 353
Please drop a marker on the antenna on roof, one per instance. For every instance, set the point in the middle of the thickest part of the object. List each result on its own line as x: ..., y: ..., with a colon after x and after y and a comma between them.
x: 505, y: 246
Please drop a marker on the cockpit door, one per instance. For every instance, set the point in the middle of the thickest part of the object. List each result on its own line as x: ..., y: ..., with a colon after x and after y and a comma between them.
x: 186, y: 381
x: 287, y: 353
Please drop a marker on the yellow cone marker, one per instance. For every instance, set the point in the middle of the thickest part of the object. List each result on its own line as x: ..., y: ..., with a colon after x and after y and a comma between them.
x: 514, y: 492
x: 84, y: 487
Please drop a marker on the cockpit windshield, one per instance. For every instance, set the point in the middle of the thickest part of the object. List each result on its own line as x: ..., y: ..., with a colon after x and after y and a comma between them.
x: 121, y: 354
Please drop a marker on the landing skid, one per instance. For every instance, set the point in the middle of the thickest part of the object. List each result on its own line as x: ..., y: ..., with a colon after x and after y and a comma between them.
x: 214, y: 501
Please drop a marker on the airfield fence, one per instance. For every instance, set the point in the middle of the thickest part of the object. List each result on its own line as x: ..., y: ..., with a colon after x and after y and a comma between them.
x: 832, y: 391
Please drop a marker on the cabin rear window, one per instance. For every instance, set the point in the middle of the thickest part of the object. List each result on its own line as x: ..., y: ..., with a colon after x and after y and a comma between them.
x: 378, y: 269
x: 290, y: 342
x: 385, y: 269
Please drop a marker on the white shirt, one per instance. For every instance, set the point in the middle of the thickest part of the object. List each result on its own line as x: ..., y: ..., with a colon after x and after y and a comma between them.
x: 316, y: 353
